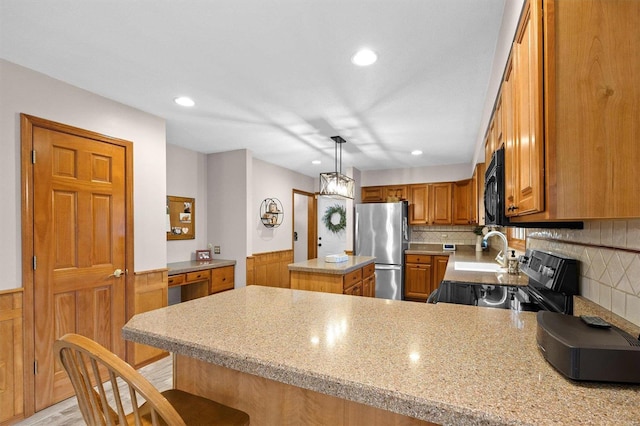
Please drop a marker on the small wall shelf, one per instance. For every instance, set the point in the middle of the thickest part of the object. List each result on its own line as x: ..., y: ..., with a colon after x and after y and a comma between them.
x: 271, y: 212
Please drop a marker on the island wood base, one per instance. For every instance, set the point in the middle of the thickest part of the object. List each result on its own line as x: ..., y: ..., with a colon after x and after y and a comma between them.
x: 273, y: 403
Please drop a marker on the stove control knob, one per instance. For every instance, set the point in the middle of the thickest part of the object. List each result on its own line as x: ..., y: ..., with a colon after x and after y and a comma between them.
x: 548, y: 272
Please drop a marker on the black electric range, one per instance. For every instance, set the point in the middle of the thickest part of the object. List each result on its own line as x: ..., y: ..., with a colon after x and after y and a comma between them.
x: 553, y: 281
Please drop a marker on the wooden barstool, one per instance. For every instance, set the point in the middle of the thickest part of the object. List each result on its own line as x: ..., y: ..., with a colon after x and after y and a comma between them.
x: 89, y: 365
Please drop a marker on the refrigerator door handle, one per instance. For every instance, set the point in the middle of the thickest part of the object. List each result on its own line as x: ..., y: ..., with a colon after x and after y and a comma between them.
x: 356, y: 233
x: 388, y: 267
x: 405, y: 229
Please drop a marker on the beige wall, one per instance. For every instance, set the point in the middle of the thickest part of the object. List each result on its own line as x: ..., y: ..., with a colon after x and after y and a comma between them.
x: 26, y: 91
x: 187, y: 177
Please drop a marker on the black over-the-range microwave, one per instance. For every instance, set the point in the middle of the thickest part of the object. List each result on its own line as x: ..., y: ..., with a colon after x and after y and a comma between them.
x: 495, y: 200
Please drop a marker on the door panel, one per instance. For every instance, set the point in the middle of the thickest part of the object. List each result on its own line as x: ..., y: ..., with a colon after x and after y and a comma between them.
x: 330, y: 242
x: 389, y: 279
x: 79, y: 216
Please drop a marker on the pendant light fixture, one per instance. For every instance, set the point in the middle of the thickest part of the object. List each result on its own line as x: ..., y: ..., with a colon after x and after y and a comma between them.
x: 336, y: 184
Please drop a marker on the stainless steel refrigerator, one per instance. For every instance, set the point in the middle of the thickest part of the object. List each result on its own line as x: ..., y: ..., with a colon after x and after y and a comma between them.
x: 382, y: 231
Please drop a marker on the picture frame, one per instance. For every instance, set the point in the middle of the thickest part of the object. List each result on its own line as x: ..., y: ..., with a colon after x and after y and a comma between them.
x: 203, y: 255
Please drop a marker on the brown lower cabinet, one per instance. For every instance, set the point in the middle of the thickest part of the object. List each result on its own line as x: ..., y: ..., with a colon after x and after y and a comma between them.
x: 423, y: 274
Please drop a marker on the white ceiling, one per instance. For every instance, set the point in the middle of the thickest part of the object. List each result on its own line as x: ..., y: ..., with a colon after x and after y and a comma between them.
x: 274, y: 76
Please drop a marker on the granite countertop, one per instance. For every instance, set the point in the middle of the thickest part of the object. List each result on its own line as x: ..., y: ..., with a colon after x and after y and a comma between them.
x: 469, y: 255
x: 338, y: 268
x: 448, y: 364
x: 194, y: 265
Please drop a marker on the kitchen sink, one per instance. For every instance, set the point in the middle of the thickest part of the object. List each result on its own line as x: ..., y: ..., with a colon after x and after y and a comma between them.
x: 478, y: 267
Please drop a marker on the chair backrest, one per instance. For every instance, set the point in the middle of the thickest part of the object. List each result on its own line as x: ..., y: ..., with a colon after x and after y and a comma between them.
x: 89, y: 365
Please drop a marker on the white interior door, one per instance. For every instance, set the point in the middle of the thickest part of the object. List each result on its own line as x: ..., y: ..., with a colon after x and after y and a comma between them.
x: 300, y: 224
x: 332, y: 226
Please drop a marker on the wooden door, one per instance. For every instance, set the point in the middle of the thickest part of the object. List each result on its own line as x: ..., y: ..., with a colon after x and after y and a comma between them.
x: 79, y: 242
x: 529, y: 133
x: 440, y: 203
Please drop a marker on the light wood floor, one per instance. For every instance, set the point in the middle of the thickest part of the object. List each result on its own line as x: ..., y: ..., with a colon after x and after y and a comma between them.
x: 66, y: 412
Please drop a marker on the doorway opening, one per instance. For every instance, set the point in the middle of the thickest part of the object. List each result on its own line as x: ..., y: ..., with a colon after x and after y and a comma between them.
x: 304, y: 226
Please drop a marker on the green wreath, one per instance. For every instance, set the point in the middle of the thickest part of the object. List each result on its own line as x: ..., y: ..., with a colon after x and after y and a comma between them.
x: 328, y: 214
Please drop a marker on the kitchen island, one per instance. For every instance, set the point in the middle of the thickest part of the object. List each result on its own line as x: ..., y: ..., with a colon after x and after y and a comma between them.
x: 300, y: 357
x: 355, y: 276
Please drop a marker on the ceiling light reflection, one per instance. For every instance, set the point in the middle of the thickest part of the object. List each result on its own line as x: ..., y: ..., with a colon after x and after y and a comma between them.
x: 184, y: 101
x: 364, y: 57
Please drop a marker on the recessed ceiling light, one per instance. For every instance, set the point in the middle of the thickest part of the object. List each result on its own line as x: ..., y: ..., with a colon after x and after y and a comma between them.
x: 416, y: 152
x: 316, y: 162
x: 364, y: 57
x: 184, y: 101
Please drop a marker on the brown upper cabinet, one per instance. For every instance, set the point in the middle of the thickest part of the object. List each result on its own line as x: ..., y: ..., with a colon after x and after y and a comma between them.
x: 395, y: 192
x: 571, y: 119
x: 430, y: 204
x: 463, y: 211
x: 477, y: 198
x: 381, y: 194
x: 419, y: 204
x: 442, y: 203
x: 527, y: 156
x: 372, y: 194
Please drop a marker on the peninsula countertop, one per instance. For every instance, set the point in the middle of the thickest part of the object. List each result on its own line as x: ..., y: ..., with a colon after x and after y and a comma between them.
x: 337, y: 268
x: 448, y: 364
x: 468, y: 255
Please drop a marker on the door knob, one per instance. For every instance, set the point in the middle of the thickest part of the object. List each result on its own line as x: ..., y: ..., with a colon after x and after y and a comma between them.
x: 117, y: 273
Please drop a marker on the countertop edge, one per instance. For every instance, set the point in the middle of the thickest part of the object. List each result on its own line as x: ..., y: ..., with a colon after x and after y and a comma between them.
x: 399, y: 403
x: 332, y: 268
x: 175, y: 268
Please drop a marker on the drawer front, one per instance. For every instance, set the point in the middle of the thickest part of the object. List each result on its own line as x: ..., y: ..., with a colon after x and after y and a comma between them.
x: 418, y: 258
x: 354, y: 290
x: 352, y: 277
x: 222, y: 279
x: 176, y: 279
x: 369, y: 270
x: 198, y: 276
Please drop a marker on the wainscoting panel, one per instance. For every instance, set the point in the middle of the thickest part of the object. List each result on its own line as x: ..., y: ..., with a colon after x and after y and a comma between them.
x: 269, y: 269
x: 150, y: 292
x: 11, y: 357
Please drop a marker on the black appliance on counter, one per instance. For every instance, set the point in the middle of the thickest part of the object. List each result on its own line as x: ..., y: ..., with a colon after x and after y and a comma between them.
x: 580, y: 351
x: 495, y: 199
x: 553, y: 281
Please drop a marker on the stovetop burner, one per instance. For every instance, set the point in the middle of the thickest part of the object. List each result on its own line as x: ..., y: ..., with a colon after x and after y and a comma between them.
x: 553, y: 281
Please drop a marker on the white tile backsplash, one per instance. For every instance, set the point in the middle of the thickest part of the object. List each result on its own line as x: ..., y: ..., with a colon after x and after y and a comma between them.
x: 609, y: 276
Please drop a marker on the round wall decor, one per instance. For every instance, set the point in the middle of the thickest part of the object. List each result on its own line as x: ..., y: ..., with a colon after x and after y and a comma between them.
x: 271, y: 212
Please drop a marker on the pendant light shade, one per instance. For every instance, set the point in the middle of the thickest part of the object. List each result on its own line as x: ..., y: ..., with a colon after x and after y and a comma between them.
x: 336, y: 184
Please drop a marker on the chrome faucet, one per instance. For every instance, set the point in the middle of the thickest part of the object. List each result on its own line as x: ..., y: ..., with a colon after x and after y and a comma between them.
x: 501, y: 258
